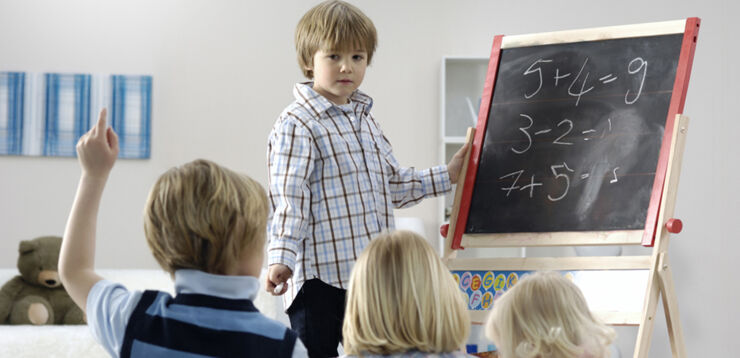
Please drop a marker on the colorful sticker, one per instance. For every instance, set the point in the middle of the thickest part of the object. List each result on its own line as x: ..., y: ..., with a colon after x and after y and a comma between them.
x: 500, y: 283
x: 481, y: 288
x: 488, y: 280
x: 465, y: 280
x: 487, y: 301
x: 475, y: 299
x: 475, y: 283
x: 512, y: 280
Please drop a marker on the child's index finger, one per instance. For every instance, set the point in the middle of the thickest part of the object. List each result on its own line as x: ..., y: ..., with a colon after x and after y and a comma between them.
x: 102, y: 122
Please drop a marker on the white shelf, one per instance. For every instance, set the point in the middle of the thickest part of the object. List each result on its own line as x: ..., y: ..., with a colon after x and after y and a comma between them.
x: 462, y: 84
x: 462, y: 80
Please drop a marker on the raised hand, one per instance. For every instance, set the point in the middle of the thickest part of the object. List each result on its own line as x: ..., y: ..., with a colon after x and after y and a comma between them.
x: 97, y: 151
x: 98, y: 148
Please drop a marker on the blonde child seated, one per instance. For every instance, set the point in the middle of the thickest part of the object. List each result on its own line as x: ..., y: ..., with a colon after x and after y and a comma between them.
x: 403, y: 302
x: 546, y: 316
x: 205, y: 226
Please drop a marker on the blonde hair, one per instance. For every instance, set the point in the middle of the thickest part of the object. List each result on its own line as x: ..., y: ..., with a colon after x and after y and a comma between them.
x: 546, y: 316
x: 401, y: 297
x: 203, y: 216
x: 333, y: 25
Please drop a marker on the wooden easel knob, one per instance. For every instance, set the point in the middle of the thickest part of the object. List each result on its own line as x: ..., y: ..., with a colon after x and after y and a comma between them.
x: 674, y: 226
x: 443, y: 229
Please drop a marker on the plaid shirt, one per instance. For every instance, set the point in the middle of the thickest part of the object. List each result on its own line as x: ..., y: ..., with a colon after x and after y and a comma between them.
x: 333, y: 185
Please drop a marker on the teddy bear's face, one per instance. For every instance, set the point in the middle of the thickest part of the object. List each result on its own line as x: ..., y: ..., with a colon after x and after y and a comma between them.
x: 38, y: 260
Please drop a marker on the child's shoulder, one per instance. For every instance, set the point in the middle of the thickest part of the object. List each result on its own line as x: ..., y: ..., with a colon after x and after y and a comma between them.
x: 307, y: 104
x: 294, y: 120
x: 302, y: 114
x: 298, y: 111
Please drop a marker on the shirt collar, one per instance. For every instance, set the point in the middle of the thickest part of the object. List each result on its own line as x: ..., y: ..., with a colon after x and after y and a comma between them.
x: 231, y: 287
x: 304, y: 94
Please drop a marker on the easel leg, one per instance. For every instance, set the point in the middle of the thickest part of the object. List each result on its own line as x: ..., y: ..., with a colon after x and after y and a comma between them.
x: 644, y: 334
x: 660, y: 280
x: 670, y: 305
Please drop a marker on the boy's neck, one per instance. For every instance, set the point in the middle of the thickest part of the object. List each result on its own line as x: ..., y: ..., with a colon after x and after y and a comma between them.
x: 346, y: 101
x: 340, y: 102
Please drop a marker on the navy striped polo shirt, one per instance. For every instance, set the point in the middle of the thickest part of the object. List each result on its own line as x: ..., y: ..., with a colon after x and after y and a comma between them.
x: 198, y: 325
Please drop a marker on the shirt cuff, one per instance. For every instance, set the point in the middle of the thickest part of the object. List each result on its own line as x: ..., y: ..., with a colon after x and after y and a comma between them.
x: 282, y: 251
x: 436, y: 181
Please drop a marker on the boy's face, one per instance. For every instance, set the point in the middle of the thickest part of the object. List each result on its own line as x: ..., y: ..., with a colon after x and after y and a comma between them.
x: 337, y: 73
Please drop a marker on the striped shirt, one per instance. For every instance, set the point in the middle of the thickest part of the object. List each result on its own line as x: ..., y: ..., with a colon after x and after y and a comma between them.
x: 191, y: 325
x: 212, y: 315
x: 333, y: 185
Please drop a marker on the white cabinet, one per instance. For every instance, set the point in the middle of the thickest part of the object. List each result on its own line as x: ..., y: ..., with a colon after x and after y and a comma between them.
x: 462, y: 86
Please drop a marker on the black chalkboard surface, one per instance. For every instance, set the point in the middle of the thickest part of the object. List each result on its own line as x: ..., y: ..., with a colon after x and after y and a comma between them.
x: 573, y: 136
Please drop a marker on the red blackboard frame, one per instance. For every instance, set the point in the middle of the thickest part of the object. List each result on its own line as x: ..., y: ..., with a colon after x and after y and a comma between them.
x: 680, y: 87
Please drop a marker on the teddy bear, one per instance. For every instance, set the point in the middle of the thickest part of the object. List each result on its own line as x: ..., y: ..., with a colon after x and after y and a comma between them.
x: 36, y: 296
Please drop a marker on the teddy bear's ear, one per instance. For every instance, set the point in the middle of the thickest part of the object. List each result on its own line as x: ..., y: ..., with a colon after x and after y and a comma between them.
x: 27, y: 247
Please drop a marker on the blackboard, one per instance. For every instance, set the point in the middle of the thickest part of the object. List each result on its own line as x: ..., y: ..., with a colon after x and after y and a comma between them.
x: 579, y: 141
x: 573, y: 136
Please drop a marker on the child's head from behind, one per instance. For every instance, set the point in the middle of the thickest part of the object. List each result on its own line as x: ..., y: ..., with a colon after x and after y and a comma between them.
x: 205, y: 217
x: 333, y: 25
x: 401, y: 297
x: 546, y: 315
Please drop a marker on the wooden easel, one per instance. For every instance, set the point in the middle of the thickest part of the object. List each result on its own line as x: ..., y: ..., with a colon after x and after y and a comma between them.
x: 659, y: 281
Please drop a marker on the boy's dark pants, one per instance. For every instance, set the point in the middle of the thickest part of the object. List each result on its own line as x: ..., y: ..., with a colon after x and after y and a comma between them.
x: 317, y: 314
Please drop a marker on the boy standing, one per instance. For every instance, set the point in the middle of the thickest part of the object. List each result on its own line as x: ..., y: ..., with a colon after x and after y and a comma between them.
x: 333, y: 178
x: 205, y: 226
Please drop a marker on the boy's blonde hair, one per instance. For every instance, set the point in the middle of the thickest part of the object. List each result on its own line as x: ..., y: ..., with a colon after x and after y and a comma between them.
x: 333, y: 25
x: 203, y: 216
x: 546, y: 315
x: 401, y: 297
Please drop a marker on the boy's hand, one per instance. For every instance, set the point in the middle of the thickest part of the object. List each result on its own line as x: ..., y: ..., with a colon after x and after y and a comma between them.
x: 277, y: 276
x: 455, y: 165
x: 98, y: 148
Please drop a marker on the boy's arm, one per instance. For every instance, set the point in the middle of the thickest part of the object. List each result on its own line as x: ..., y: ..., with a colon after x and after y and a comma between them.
x: 97, y: 151
x: 408, y: 186
x: 290, y: 164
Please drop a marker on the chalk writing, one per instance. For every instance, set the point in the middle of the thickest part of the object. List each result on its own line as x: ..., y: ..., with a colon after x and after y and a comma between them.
x: 637, y: 66
x: 573, y: 135
x: 641, y: 66
x: 578, y: 87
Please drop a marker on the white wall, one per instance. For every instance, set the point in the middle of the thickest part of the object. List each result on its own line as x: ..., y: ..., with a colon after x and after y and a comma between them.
x: 223, y: 70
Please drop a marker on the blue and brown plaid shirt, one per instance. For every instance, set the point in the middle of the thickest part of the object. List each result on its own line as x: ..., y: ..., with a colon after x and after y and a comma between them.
x: 333, y: 185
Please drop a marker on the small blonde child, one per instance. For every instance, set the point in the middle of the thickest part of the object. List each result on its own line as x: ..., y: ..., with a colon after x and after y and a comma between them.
x: 403, y: 302
x: 546, y: 316
x: 205, y: 225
